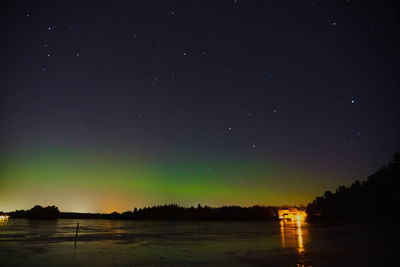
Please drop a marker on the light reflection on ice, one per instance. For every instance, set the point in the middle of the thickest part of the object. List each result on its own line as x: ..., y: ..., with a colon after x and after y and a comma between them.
x: 294, y: 234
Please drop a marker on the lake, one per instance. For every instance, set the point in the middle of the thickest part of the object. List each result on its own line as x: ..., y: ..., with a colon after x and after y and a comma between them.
x: 169, y: 243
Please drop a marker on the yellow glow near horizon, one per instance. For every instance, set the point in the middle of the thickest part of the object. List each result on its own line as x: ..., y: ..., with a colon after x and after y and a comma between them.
x: 85, y: 182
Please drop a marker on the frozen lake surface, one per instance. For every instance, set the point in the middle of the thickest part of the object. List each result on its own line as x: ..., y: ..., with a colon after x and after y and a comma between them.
x: 132, y: 243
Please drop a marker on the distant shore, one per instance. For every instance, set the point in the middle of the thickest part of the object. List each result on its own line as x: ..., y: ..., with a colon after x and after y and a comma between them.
x: 165, y: 212
x: 375, y: 196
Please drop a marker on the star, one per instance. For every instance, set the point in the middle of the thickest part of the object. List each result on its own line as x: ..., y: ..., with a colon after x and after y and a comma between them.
x: 184, y: 53
x: 49, y: 28
x: 44, y: 69
x: 230, y: 128
x: 253, y: 146
x: 353, y: 101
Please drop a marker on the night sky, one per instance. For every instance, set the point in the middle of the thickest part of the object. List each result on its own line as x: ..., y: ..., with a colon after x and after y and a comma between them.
x: 121, y: 104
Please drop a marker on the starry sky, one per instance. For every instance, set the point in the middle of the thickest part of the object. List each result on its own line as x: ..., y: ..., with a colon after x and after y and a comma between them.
x: 111, y: 105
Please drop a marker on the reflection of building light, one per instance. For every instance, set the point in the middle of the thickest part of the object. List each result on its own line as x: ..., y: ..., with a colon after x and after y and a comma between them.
x: 300, y: 238
x: 283, y: 233
x: 293, y: 234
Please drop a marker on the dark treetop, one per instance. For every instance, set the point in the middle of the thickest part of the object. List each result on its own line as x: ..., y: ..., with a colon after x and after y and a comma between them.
x: 373, y: 200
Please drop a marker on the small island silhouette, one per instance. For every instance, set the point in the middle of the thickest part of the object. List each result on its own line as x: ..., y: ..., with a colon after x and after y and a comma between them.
x: 371, y: 201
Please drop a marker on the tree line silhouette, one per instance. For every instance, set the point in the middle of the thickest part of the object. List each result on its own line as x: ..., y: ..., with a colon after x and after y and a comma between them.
x: 373, y: 200
x: 37, y: 212
x: 165, y: 212
x: 226, y: 213
x: 369, y: 201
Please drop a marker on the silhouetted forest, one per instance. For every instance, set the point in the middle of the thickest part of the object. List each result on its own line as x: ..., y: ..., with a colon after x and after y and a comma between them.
x: 166, y: 212
x: 37, y: 212
x: 372, y: 200
x: 231, y: 213
x: 368, y: 201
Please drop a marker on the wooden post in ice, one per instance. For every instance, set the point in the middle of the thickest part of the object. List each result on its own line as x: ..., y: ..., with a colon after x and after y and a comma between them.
x: 76, y: 235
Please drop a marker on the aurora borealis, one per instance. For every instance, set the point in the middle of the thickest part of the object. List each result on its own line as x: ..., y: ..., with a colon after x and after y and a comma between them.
x: 73, y: 179
x: 107, y: 106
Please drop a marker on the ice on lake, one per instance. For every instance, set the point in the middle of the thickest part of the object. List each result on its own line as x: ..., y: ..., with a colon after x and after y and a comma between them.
x: 170, y: 243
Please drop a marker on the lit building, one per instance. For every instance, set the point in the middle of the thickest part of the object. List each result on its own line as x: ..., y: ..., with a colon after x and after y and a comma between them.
x: 3, y: 218
x: 292, y: 214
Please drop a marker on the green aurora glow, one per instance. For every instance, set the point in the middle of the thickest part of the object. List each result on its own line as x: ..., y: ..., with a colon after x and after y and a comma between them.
x: 86, y: 182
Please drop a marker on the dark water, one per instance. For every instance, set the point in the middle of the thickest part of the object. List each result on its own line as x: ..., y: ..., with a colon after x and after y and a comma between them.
x: 127, y: 243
